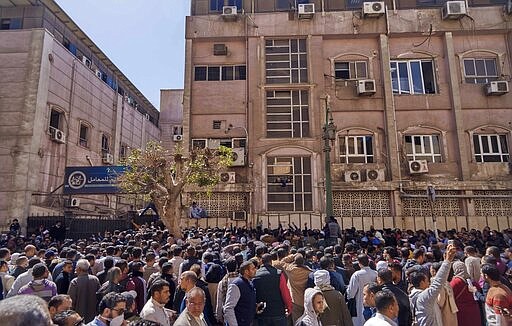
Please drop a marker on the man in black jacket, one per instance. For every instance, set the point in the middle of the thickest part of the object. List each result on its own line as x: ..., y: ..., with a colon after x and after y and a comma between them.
x: 266, y: 282
x: 385, y: 279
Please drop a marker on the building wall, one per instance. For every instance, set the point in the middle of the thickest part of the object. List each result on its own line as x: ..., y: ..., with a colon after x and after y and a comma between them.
x: 455, y: 112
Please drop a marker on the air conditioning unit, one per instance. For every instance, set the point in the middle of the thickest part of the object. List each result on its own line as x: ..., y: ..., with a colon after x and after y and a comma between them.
x: 306, y: 10
x: 366, y: 87
x: 374, y: 9
x: 228, y: 177
x: 375, y: 175
x: 98, y: 73
x: 74, y: 202
x: 352, y: 176
x: 108, y: 158
x: 238, y: 155
x: 177, y: 137
x: 418, y: 166
x: 454, y: 10
x: 146, y: 116
x: 58, y: 136
x: 220, y: 49
x: 86, y: 61
x: 229, y: 13
x: 498, y: 87
x: 239, y: 216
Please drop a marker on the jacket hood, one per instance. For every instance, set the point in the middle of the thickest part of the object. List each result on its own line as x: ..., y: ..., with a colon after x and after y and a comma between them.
x: 309, y: 317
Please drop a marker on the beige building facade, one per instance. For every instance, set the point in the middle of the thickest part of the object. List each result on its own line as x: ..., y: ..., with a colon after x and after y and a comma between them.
x: 63, y: 103
x: 418, y: 91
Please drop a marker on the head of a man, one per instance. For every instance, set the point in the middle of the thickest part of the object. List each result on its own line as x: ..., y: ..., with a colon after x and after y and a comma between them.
x: 59, y: 303
x: 386, y: 304
x: 68, y: 318
x: 160, y: 291
x: 68, y: 267
x: 112, y: 306
x: 188, y: 280
x: 369, y: 292
x: 419, y: 280
x: 195, y: 301
x: 82, y: 266
x: 22, y: 310
x: 248, y: 270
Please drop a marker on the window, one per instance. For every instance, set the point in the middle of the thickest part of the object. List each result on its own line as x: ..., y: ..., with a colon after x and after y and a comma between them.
x: 217, y: 124
x: 105, y: 143
x: 287, y: 114
x: 480, y: 71
x: 216, y: 5
x: 356, y: 149
x: 491, y: 148
x: 216, y: 73
x: 198, y: 143
x: 423, y: 147
x: 123, y: 152
x: 350, y: 70
x: 83, y: 136
x: 413, y: 77
x: 286, y: 61
x: 289, y: 184
x: 177, y: 130
x: 10, y: 23
x: 56, y: 120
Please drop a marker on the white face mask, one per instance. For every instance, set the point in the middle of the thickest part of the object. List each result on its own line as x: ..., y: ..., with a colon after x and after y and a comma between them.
x: 117, y: 321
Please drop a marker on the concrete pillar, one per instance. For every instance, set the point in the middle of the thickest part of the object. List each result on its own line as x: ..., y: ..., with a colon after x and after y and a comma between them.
x: 453, y: 72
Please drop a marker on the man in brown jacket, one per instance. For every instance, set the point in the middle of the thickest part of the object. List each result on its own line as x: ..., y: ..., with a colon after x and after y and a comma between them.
x: 82, y: 291
x: 297, y: 274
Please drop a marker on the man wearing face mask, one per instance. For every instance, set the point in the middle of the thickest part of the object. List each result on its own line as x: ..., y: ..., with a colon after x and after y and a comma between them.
x: 112, y: 308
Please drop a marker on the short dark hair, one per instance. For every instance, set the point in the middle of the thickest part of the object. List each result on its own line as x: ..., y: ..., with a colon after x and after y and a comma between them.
x: 418, y: 253
x: 384, y: 299
x: 57, y: 300
x: 158, y: 286
x: 245, y: 266
x: 61, y: 317
x: 231, y: 265
x: 326, y: 262
x: 416, y: 278
x: 266, y: 259
x: 110, y: 300
x: 363, y: 259
x: 385, y: 275
x: 491, y: 271
x: 373, y: 287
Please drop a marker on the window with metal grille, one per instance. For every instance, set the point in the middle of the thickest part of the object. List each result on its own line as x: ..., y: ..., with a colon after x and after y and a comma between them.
x: 423, y: 147
x: 83, y: 135
x: 105, y: 143
x: 491, y: 148
x: 356, y: 149
x: 413, y: 77
x: 286, y: 61
x: 287, y: 114
x: 350, y: 70
x: 56, y: 120
x: 219, y: 73
x: 480, y: 71
x: 217, y: 124
x: 289, y: 184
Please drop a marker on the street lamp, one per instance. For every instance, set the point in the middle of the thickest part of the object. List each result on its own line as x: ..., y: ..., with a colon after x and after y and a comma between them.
x: 329, y: 135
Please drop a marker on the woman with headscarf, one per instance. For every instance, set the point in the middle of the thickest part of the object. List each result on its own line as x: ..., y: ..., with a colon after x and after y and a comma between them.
x: 463, y: 289
x: 314, y: 305
x: 445, y: 300
x: 336, y: 312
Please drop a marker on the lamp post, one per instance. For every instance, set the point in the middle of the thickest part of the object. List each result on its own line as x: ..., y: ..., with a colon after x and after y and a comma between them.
x: 329, y: 135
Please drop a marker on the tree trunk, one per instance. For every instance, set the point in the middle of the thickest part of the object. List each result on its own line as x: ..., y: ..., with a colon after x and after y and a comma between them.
x: 171, y: 216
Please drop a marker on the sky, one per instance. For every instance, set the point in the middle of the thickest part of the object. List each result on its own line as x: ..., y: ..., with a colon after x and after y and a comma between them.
x: 145, y: 39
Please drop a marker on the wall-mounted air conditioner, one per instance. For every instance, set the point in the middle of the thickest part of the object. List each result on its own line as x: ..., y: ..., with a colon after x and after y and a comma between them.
x: 229, y: 13
x: 98, y: 73
x: 306, y: 10
x: 239, y: 216
x: 498, y: 87
x: 454, y: 10
x: 74, y: 202
x: 374, y: 9
x: 87, y: 62
x: 418, y: 167
x: 177, y: 137
x: 238, y: 155
x: 220, y: 49
x: 366, y: 87
x: 375, y: 175
x: 108, y: 158
x: 228, y: 177
x: 352, y: 176
x: 58, y: 136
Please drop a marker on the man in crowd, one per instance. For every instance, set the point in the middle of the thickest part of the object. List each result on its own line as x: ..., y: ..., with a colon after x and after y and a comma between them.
x: 193, y: 313
x: 64, y: 278
x: 154, y: 309
x: 498, y: 302
x: 112, y: 308
x: 387, y: 310
x: 357, y: 282
x: 59, y: 303
x: 240, y: 306
x: 385, y: 279
x: 82, y: 291
x: 40, y: 286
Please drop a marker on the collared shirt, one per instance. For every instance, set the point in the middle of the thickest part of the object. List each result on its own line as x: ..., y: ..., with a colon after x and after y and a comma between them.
x: 96, y: 322
x: 380, y: 320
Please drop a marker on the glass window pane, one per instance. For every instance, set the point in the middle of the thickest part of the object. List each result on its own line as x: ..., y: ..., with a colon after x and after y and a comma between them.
x: 360, y: 145
x: 494, y: 144
x: 490, y: 66
x: 350, y: 145
x: 200, y: 73
x: 429, y: 82
x: 480, y: 68
x: 361, y: 69
x: 408, y: 144
x: 476, y: 144
x: 214, y: 73
x: 394, y: 77
x: 369, y: 145
x: 485, y: 144
x: 435, y: 144
x: 240, y: 73
x: 426, y: 144
x: 403, y: 73
x: 417, y: 77
x: 227, y: 73
x: 469, y: 67
x: 503, y: 143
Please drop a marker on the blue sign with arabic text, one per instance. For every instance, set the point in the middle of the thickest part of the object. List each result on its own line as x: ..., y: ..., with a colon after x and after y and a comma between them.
x: 92, y: 179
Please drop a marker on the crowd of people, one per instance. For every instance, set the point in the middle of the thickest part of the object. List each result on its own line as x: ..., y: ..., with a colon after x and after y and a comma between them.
x: 284, y: 275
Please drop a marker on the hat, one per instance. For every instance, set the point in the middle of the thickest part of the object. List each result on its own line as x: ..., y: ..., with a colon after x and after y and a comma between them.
x: 38, y: 270
x: 49, y: 254
x: 322, y: 277
x: 14, y: 257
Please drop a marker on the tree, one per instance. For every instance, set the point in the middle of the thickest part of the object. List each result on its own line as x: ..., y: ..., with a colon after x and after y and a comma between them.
x: 161, y: 176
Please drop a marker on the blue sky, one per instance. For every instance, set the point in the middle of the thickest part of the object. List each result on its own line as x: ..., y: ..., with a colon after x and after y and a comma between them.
x: 143, y: 38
